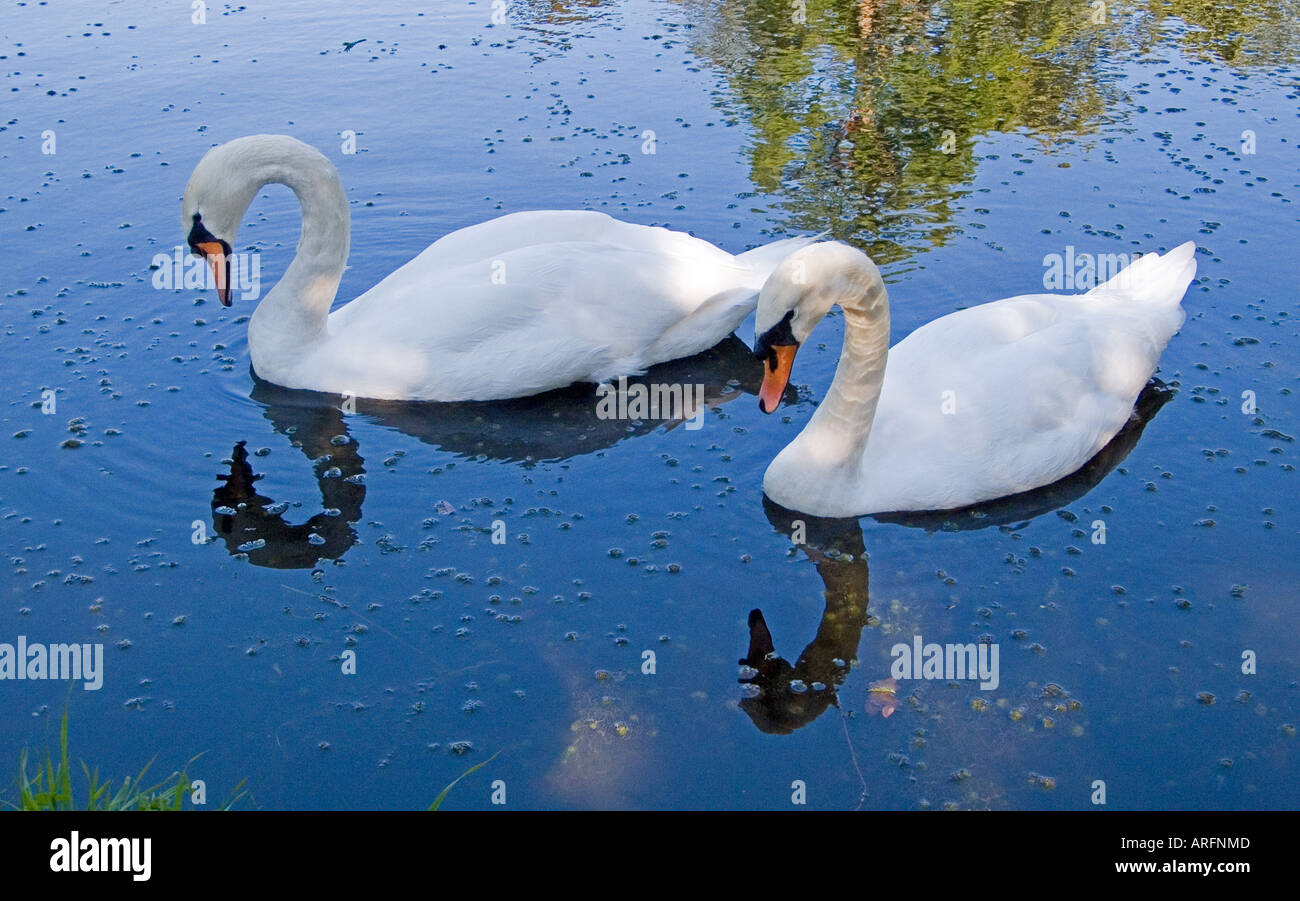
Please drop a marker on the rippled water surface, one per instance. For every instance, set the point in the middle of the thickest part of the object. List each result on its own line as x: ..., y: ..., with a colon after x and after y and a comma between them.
x: 958, y: 142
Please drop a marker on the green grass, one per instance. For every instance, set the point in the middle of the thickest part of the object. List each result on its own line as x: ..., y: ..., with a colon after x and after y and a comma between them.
x: 50, y: 788
x: 442, y: 795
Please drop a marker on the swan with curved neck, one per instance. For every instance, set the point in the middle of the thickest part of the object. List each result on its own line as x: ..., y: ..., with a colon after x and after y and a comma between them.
x: 514, y: 306
x: 982, y: 403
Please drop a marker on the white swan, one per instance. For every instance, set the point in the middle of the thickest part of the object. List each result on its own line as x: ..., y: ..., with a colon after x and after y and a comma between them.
x: 979, y: 404
x: 515, y: 306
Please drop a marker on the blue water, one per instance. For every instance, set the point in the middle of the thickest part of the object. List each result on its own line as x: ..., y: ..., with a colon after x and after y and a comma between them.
x: 1120, y: 662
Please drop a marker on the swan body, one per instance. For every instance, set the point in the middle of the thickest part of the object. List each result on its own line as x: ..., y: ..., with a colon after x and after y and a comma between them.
x: 518, y: 305
x: 979, y: 404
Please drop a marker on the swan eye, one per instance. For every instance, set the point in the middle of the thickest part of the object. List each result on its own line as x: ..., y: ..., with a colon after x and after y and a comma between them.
x: 778, y: 335
x: 199, y: 235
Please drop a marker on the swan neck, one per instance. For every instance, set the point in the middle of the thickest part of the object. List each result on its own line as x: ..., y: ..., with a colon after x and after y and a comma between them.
x: 842, y: 423
x: 298, y: 306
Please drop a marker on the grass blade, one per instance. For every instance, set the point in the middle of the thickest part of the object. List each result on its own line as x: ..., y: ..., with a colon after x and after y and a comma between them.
x: 442, y: 796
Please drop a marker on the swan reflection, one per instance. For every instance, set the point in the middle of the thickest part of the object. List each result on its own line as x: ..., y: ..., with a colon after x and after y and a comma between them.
x: 782, y: 696
x: 550, y: 427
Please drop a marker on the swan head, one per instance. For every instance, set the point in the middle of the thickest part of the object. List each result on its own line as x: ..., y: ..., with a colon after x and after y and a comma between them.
x: 798, y: 295
x: 211, y: 211
x: 219, y: 192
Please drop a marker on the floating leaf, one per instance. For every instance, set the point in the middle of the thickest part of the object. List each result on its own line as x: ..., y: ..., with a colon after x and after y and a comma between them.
x: 882, y: 697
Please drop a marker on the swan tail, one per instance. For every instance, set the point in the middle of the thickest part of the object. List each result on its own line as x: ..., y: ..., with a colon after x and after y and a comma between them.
x: 1157, y: 279
x: 711, y: 322
x: 762, y: 260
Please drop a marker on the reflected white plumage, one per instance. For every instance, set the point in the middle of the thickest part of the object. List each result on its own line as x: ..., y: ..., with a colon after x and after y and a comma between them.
x: 979, y: 404
x: 514, y: 306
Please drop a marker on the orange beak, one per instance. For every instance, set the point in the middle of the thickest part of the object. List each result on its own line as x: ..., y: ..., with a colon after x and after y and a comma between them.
x: 776, y: 376
x: 216, y: 256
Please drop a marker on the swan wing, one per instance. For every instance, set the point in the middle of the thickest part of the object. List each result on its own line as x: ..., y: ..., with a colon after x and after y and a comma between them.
x: 1015, y: 394
x: 536, y: 316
